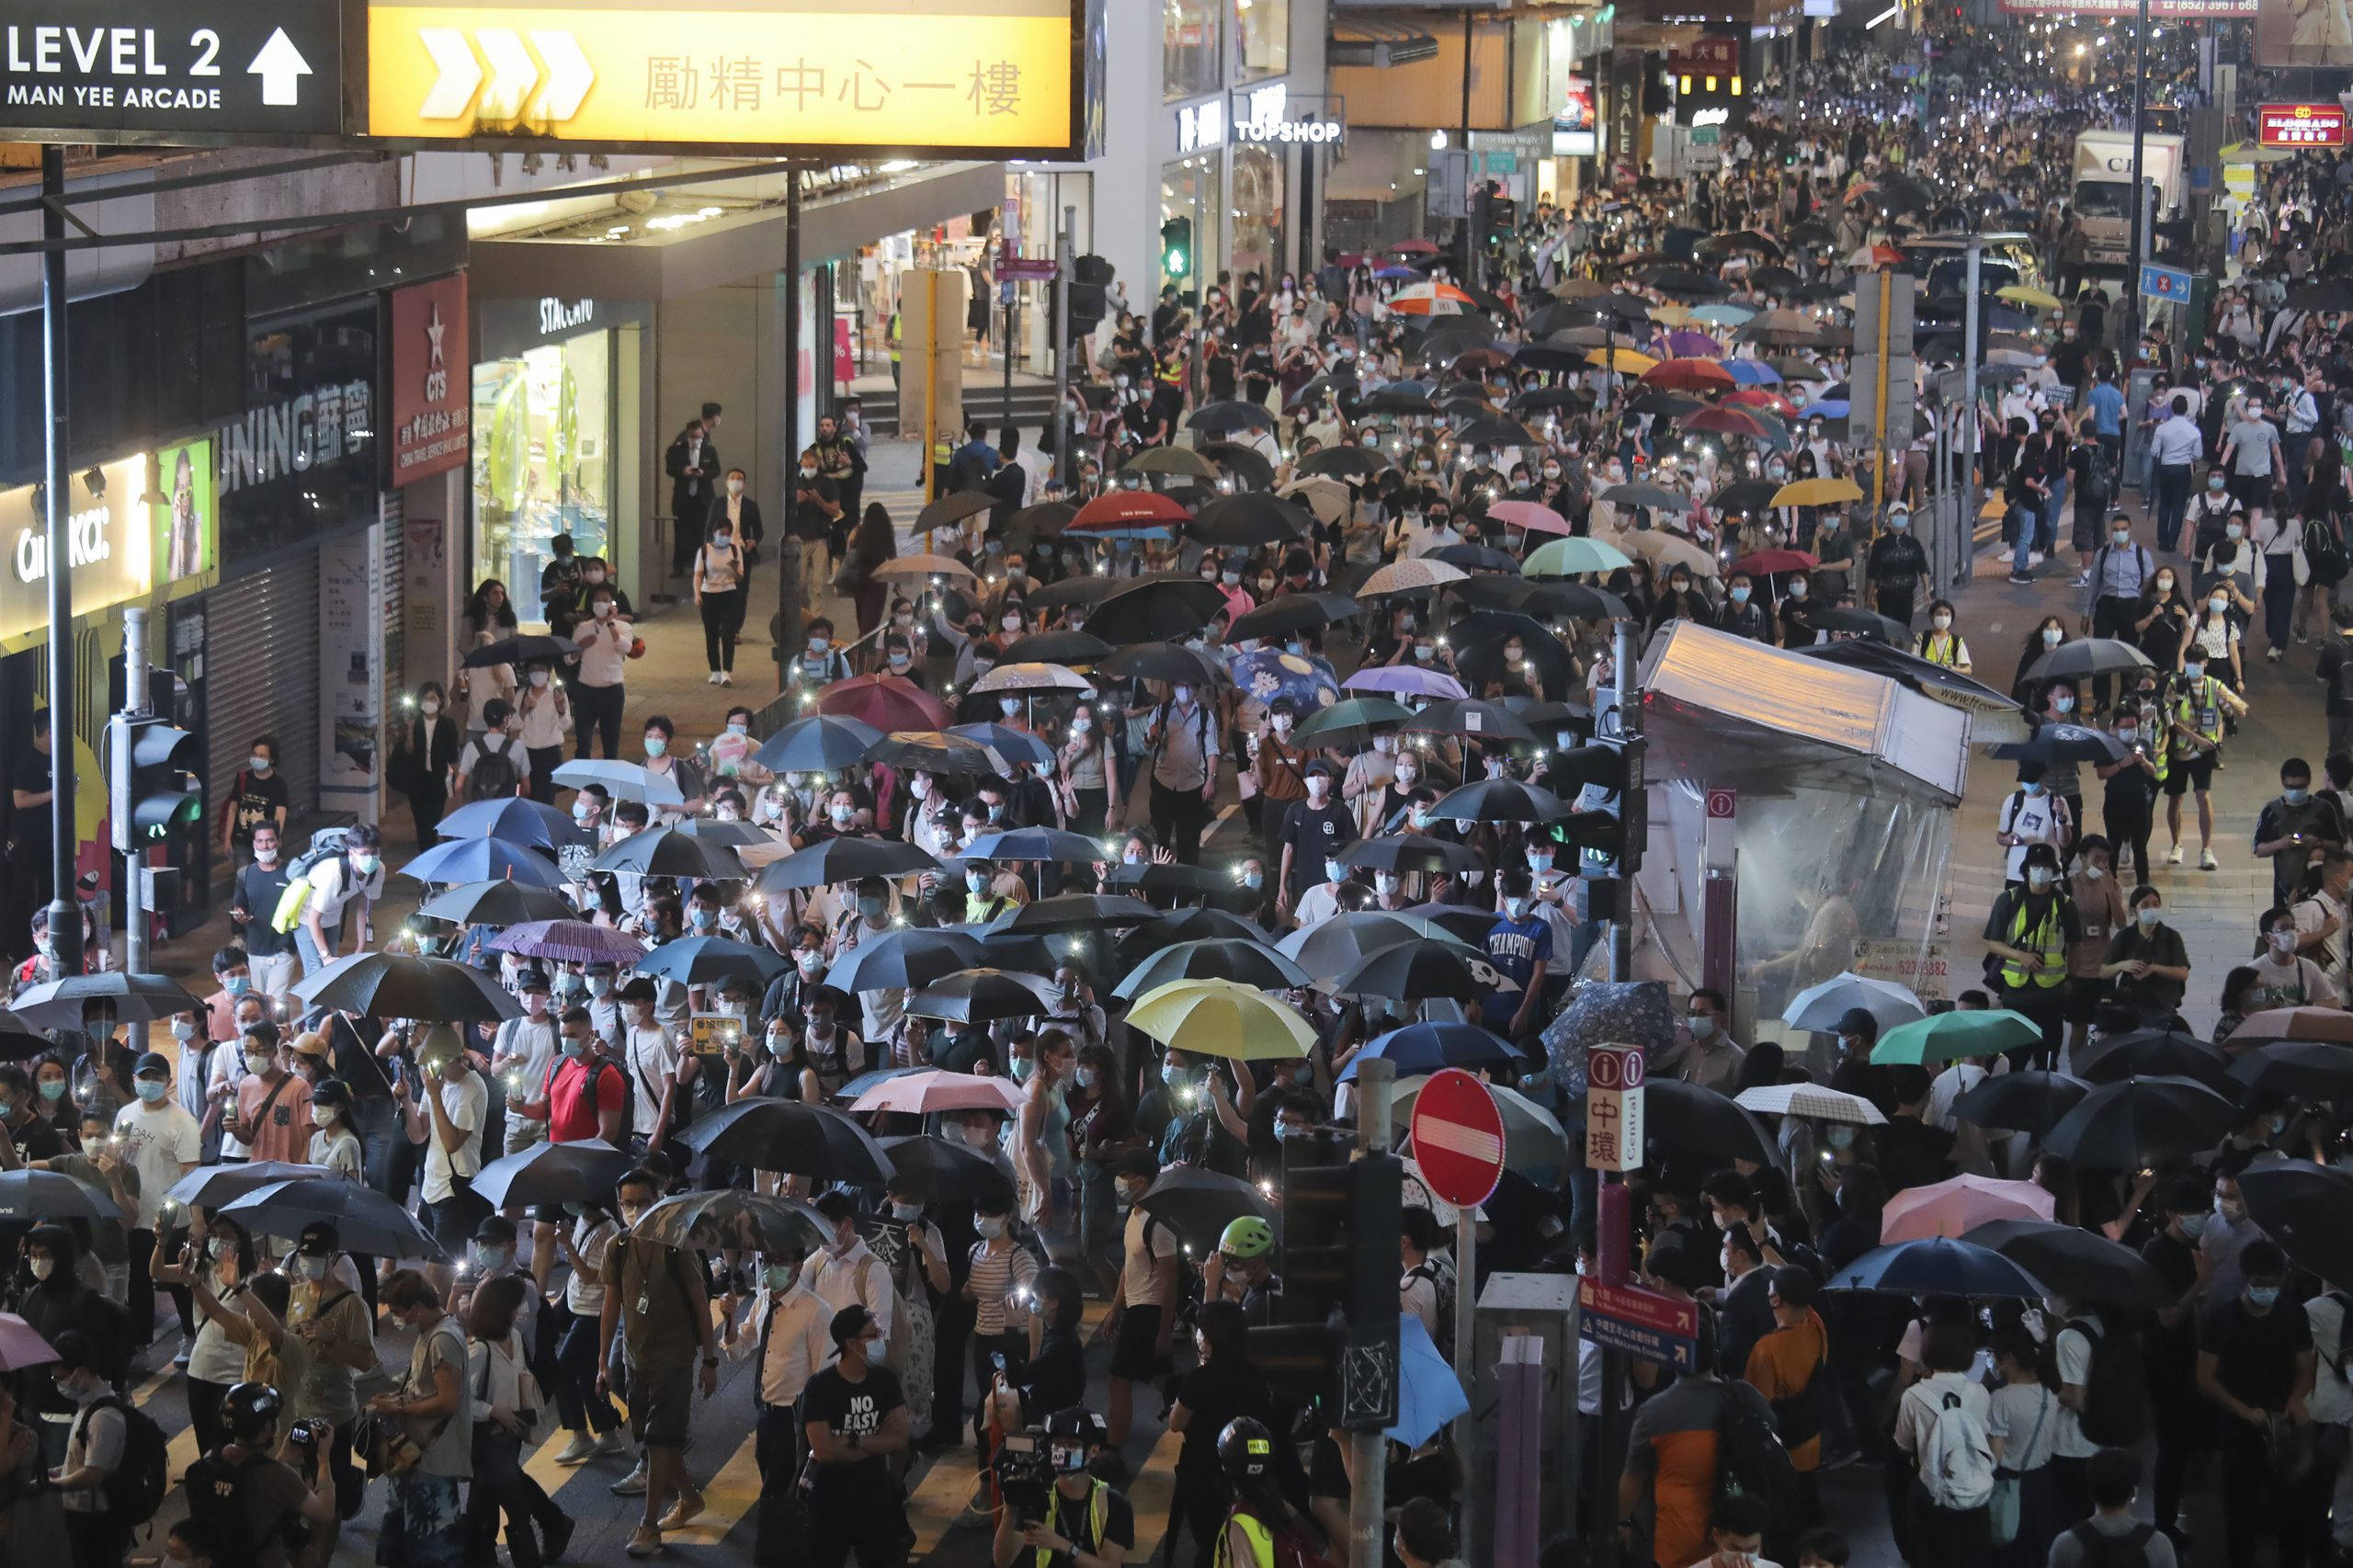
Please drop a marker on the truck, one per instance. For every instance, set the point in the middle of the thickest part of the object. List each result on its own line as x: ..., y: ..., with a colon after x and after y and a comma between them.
x: 2104, y: 189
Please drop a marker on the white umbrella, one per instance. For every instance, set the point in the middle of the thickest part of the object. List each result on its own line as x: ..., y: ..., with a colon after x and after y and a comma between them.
x: 1402, y: 577
x: 622, y: 780
x: 1819, y: 1007
x: 1033, y: 678
x: 1811, y: 1101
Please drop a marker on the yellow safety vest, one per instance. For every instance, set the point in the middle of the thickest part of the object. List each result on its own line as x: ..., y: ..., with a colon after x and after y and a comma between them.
x: 1097, y: 1508
x: 1943, y: 648
x: 943, y: 450
x: 2202, y: 701
x: 2047, y: 942
x: 1261, y: 1539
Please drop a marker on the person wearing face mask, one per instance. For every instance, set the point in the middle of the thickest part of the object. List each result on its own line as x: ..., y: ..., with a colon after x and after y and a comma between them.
x: 2255, y: 1368
x: 424, y: 754
x: 2147, y: 962
x: 2169, y: 1343
x: 160, y: 1143
x: 259, y: 796
x: 1519, y: 944
x: 522, y: 1056
x: 2195, y: 725
x: 2254, y: 456
x: 2033, y: 927
x: 1142, y: 1316
x: 608, y: 642
x: 658, y: 1300
x: 2283, y: 978
x: 2294, y: 826
x: 1897, y: 567
x: 333, y: 884
x: 1940, y: 644
x: 1706, y: 1052
x: 1744, y: 616
x: 2032, y: 814
x: 1182, y: 742
x: 783, y: 1334
x: 1682, y: 601
x: 449, y: 1124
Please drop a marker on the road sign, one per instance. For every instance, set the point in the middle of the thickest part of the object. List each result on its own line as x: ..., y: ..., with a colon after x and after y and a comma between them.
x: 183, y: 71
x: 1901, y: 293
x: 1644, y: 1323
x: 1458, y: 1137
x: 1613, y: 1112
x: 1018, y: 267
x: 1722, y: 803
x: 2299, y: 127
x: 2164, y: 283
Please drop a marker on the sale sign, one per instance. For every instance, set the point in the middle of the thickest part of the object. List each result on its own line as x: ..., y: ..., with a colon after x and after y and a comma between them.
x: 2299, y: 126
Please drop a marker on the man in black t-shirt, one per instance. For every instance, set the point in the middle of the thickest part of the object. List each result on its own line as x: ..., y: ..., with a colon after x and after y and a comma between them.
x: 1085, y: 1513
x: 854, y: 1414
x: 2170, y: 1347
x: 1312, y: 831
x: 31, y: 783
x: 2255, y: 1366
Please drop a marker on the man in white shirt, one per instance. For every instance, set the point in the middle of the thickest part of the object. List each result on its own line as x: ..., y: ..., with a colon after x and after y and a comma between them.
x: 650, y: 1057
x: 789, y: 1343
x: 496, y: 739
x: 163, y: 1144
x: 845, y: 1272
x: 357, y: 873
x: 521, y: 1054
x: 449, y: 1125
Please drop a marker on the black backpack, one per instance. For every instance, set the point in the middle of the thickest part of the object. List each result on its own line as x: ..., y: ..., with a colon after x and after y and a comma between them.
x: 495, y: 777
x: 213, y: 1493
x: 2116, y: 1389
x: 2100, y: 1550
x: 1752, y: 1461
x: 134, y: 1489
x: 2325, y: 554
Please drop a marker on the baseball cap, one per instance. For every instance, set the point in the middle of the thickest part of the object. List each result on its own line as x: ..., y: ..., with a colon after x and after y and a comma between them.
x: 155, y: 1063
x: 849, y: 1323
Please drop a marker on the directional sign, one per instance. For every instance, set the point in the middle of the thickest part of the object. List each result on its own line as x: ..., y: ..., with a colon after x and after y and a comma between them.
x: 1613, y: 1108
x: 2164, y: 283
x: 179, y: 71
x: 1458, y: 1137
x: 1644, y: 1323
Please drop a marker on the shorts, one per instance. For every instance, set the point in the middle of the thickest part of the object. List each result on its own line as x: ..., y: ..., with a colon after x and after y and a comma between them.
x: 661, y: 1403
x: 551, y: 1214
x: 2251, y: 490
x: 1134, y: 1355
x: 522, y: 1133
x: 2190, y: 773
x: 452, y: 1221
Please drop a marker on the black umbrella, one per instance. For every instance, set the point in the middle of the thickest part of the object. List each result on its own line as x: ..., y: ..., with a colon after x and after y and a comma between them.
x: 1541, y: 601
x: 1186, y: 926
x: 2330, y: 295
x: 519, y: 651
x: 2151, y: 1052
x: 819, y: 744
x: 394, y: 985
x: 2088, y: 656
x: 1748, y: 495
x: 548, y: 1174
x: 366, y: 1222
x: 1495, y: 430
x: 708, y: 960
x: 1055, y: 648
x: 2307, y: 1209
x: 1159, y: 661
x: 1089, y: 588
x: 1343, y: 462
x: 1217, y: 958
x: 1047, y: 519
x: 2309, y: 1069
x: 2031, y: 1101
x: 496, y: 903
x: 18, y: 1042
x: 1403, y: 852
x: 1466, y: 923
x: 1399, y: 401
x: 1541, y: 398
x: 127, y: 999
x: 1500, y: 800
x: 954, y: 509
x: 1475, y: 557
x: 2082, y: 1266
x: 1248, y: 521
x: 1853, y: 622
x: 1166, y: 609
x: 730, y: 1217
x: 2055, y: 742
x: 1652, y: 497
x: 1472, y: 718
x: 665, y: 852
x: 979, y: 995
x: 1246, y: 464
x: 53, y: 1196
x: 1337, y: 945
x: 1199, y: 1204
x: 1559, y: 358
x: 932, y: 1168
x: 1053, y: 843
x: 1414, y: 971
x: 1076, y: 911
x: 1295, y: 612
x: 842, y: 860
x: 1234, y: 414
x: 1148, y: 877
x: 1685, y: 1116
x: 2141, y: 1122
x: 770, y: 1134
x: 903, y: 958
x: 210, y: 1186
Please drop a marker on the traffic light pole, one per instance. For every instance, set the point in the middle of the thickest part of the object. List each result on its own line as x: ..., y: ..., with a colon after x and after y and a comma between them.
x: 135, y: 881
x: 1368, y: 1455
x: 1633, y: 804
x: 1065, y: 277
x: 789, y: 590
x: 64, y: 840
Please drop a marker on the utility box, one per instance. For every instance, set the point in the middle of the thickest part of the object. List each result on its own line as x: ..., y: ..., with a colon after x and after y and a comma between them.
x: 1523, y: 1398
x: 933, y: 302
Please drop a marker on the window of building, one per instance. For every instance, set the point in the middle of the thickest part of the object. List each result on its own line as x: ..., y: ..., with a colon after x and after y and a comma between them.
x: 1261, y: 38
x: 1189, y: 50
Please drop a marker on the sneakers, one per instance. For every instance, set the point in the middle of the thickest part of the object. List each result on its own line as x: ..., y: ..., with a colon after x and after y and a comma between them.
x: 612, y: 1445
x: 2301, y: 637
x: 644, y: 1542
x: 2081, y: 580
x: 2173, y: 856
x: 2273, y: 656
x: 686, y: 1506
x: 726, y: 678
x: 2022, y: 575
x: 188, y: 1348
x: 2206, y: 861
x: 2007, y: 555
x: 580, y: 1450
x: 712, y: 680
x: 2033, y: 559
x: 632, y: 1484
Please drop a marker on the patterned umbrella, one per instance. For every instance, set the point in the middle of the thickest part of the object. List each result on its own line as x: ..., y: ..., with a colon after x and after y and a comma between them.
x: 570, y: 941
x: 1418, y: 573
x: 1270, y: 674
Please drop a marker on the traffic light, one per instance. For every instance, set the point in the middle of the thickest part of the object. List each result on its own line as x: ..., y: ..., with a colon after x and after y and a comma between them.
x: 1619, y: 833
x: 1333, y: 1340
x: 1177, y: 249
x: 153, y: 780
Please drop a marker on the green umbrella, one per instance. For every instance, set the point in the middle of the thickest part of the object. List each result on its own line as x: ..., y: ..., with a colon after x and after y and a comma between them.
x: 1947, y: 1037
x: 1572, y: 558
x: 1350, y: 721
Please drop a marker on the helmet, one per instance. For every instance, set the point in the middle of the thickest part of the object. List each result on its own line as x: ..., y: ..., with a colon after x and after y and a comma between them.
x: 251, y: 1411
x: 1072, y: 1435
x: 1247, y: 1238
x: 1246, y: 1448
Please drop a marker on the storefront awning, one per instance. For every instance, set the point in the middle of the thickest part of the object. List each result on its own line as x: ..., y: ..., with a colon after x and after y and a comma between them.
x: 1724, y: 710
x: 723, y: 234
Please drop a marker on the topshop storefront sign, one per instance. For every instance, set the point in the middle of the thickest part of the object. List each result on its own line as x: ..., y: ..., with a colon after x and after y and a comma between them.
x: 1271, y: 113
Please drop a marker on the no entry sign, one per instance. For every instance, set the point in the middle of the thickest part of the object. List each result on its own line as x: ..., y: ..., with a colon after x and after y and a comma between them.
x: 1458, y: 1137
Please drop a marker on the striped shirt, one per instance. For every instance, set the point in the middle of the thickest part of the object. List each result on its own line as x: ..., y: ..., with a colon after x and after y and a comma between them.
x: 993, y: 1276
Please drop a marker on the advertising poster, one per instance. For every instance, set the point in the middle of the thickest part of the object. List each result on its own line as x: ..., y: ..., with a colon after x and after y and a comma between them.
x: 186, y: 538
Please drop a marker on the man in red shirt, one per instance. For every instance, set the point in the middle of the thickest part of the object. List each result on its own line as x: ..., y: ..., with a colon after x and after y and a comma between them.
x: 585, y: 1097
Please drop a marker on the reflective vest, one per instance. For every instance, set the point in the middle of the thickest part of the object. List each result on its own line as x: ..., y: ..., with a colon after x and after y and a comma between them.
x: 2199, y: 709
x: 2047, y: 941
x: 1261, y: 1539
x: 943, y: 450
x: 1097, y: 1505
x: 1943, y: 648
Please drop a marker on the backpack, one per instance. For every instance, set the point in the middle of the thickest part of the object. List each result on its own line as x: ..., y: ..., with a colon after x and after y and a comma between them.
x: 495, y: 777
x: 899, y: 1349
x: 326, y: 844
x: 1442, y: 1280
x: 2097, y: 1549
x: 2325, y: 559
x: 2116, y: 1389
x: 214, y: 1488
x: 134, y: 1489
x: 1957, y: 1457
x: 1800, y: 1417
x: 1751, y: 1462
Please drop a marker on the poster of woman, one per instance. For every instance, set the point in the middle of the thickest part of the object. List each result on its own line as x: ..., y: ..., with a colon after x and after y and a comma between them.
x: 184, y: 541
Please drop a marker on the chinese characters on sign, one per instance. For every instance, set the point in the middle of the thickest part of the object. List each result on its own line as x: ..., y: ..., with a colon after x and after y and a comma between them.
x: 2299, y: 126
x: 432, y: 410
x: 306, y: 431
x: 1613, y: 1116
x: 681, y: 82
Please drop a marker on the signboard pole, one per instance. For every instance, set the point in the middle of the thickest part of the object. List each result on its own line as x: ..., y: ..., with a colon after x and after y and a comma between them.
x: 2140, y: 193
x: 789, y: 587
x: 1973, y: 430
x: 1065, y: 269
x: 135, y: 881
x: 1367, y: 1450
x: 64, y: 842
x: 1613, y: 1238
x: 1879, y: 366
x: 1624, y: 651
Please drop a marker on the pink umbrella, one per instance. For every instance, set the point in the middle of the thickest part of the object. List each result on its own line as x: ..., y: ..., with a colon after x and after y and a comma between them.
x: 570, y: 941
x: 1965, y: 1202
x: 1530, y: 515
x: 921, y: 1093
x: 21, y: 1344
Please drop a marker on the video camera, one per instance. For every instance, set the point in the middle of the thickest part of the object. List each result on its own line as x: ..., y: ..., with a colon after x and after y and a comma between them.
x: 1025, y: 1476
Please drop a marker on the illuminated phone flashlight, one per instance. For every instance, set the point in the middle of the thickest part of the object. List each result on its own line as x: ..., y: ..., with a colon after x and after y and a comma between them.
x: 1267, y: 1187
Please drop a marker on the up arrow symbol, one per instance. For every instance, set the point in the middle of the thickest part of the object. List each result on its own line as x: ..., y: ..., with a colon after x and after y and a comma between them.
x: 278, y: 65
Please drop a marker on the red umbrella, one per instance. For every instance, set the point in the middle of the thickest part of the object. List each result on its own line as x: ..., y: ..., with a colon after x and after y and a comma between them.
x: 1530, y: 515
x: 1766, y: 563
x: 1728, y: 422
x: 1118, y: 509
x: 1414, y: 247
x: 887, y: 702
x: 1688, y: 375
x: 1758, y: 397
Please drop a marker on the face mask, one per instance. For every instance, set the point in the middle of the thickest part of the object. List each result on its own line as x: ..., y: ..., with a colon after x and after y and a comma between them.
x: 315, y: 1268
x: 1184, y: 694
x: 1130, y: 1192
x: 1423, y: 652
x: 808, y: 959
x: 974, y: 881
x: 656, y: 746
x: 2232, y: 531
x: 2051, y: 635
x: 258, y: 1062
x: 1899, y: 521
x: 1517, y: 908
x: 1703, y: 1025
x: 1839, y: 1137
x: 2193, y: 1225
x: 2062, y: 705
x: 992, y: 1227
x: 2037, y: 878
x: 151, y: 1091
x: 576, y: 1048
x: 1797, y: 587
x: 2218, y: 604
x: 492, y: 1259
x: 365, y: 864
x: 704, y: 919
x: 2193, y: 671
x: 604, y: 609
x: 582, y: 811
x: 2284, y: 941
x: 43, y: 1268
x: 2297, y: 797
x: 1740, y: 596
x: 2165, y: 584
x: 2262, y: 1295
x: 429, y: 706
x: 630, y: 1213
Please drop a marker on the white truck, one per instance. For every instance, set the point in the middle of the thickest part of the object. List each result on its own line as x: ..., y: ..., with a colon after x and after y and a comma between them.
x: 2104, y: 189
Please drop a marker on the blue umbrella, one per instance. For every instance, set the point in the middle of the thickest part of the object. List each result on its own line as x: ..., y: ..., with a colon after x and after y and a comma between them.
x: 1831, y: 408
x: 485, y: 860
x: 1753, y: 372
x: 1271, y: 673
x: 819, y: 744
x: 1426, y: 1048
x: 1014, y: 746
x: 1429, y: 1395
x: 1398, y: 274
x: 517, y: 821
x: 1935, y: 1266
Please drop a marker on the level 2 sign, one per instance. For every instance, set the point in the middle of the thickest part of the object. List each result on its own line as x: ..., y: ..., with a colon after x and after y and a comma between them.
x: 129, y: 70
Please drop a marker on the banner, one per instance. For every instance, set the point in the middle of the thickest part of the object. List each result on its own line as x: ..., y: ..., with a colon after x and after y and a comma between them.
x: 185, y: 547
x: 2174, y: 10
x: 2301, y: 34
x: 431, y: 396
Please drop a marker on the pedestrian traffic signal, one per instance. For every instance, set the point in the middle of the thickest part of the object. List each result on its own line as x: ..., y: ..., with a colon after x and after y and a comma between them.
x: 1333, y: 1340
x: 153, y: 779
x: 1177, y: 249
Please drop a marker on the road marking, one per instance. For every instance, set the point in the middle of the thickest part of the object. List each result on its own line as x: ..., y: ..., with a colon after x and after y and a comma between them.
x: 1152, y: 1494
x: 726, y: 1499
x: 938, y: 1503
x: 1223, y: 815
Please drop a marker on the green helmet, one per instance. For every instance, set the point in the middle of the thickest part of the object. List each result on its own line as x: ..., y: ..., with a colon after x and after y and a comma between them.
x: 1247, y: 1238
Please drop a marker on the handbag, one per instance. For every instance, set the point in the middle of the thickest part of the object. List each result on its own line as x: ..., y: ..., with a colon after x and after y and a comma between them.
x: 382, y: 1442
x: 2002, y: 1509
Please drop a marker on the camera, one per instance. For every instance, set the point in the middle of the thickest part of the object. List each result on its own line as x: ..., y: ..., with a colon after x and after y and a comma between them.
x: 1025, y: 1476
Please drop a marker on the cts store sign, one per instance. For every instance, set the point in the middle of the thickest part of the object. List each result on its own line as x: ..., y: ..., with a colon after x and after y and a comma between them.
x: 432, y: 402
x: 2299, y: 126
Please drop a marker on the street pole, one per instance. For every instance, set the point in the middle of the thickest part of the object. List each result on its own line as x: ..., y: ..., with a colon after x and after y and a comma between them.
x: 789, y: 587
x: 1623, y: 652
x: 1012, y: 297
x: 1970, y: 432
x: 136, y: 879
x: 64, y: 842
x: 1879, y: 415
x: 1065, y: 272
x: 2132, y: 267
x: 1367, y: 1458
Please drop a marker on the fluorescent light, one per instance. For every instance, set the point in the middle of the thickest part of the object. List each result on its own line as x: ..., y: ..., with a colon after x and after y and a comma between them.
x: 1883, y: 17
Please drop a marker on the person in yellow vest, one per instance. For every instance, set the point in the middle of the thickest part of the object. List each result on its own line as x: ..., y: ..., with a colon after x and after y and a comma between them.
x: 2032, y: 929
x: 897, y: 333
x: 1081, y: 1522
x: 2194, y: 721
x: 1246, y: 1451
x: 1940, y: 644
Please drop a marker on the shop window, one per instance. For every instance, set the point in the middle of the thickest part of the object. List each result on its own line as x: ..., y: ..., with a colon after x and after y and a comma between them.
x: 1261, y: 38
x: 542, y: 460
x: 1190, y: 48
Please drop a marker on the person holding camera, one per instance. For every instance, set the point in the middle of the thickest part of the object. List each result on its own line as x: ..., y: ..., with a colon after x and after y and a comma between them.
x: 505, y: 1404
x: 1086, y: 1523
x: 258, y: 1498
x: 854, y: 1416
x: 432, y: 1420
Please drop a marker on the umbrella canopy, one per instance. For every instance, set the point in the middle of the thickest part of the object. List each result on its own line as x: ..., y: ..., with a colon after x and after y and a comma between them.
x: 1533, y: 1138
x: 1668, y: 551
x: 1938, y: 1265
x: 1419, y: 1050
x: 730, y: 1217
x: 666, y: 852
x: 1162, y: 661
x: 1245, y: 465
x: 1165, y: 609
x: 1350, y: 721
x: 1686, y: 1116
x: 394, y: 985
x: 770, y: 1135
x: 2032, y: 1101
x: 883, y: 703
x: 519, y: 650
x: 838, y: 860
x: 1832, y: 492
x: 1414, y: 574
x: 1814, y: 1101
x: 936, y: 751
x: 1406, y: 680
x: 1168, y: 459
x: 569, y: 941
x: 928, y: 1168
x: 2287, y: 1023
x: 2141, y: 1122
x: 1076, y: 911
x: 1414, y: 971
x: 1573, y: 558
x: 706, y: 961
x: 1295, y: 612
x: 926, y: 565
x: 1403, y: 852
x: 1688, y: 375
x: 903, y: 959
x: 1818, y: 1008
x: 498, y: 902
x: 984, y: 994
x: 819, y: 744
x: 2053, y: 742
x: 952, y: 508
x: 1055, y: 648
x: 1947, y: 1037
x: 1035, y: 843
x: 1500, y: 800
x: 1219, y: 958
x: 2081, y: 1265
x: 365, y: 1220
x: 1232, y: 415
x: 517, y: 820
x: 2313, y: 1069
x: 1532, y: 516
x: 1222, y: 1018
x: 2307, y: 1209
x: 1199, y: 1204
x: 1651, y: 498
x: 1430, y: 1392
x: 1123, y: 508
x: 1852, y: 622
x: 54, y: 1197
x: 484, y: 859
x: 924, y: 1092
x: 21, y: 1344
x: 210, y: 1186
x: 126, y: 999
x: 1955, y: 1207
x: 1249, y: 521
x: 1486, y: 722
x: 1334, y: 946
x: 2088, y: 656
x: 2151, y: 1052
x: 622, y: 781
x: 580, y: 1172
x: 1031, y: 675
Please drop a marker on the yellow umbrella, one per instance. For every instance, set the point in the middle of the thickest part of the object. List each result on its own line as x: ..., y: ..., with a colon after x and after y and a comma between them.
x: 1222, y: 1018
x: 1671, y: 315
x: 1624, y: 360
x: 2021, y: 294
x: 2249, y: 153
x: 1817, y: 493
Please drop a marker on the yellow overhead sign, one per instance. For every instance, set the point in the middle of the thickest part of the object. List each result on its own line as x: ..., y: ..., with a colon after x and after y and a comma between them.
x: 985, y: 76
